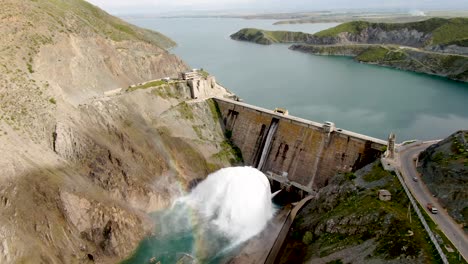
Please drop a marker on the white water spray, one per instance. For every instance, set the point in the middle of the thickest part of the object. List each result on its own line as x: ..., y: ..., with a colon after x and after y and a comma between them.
x: 237, y: 201
x: 206, y: 226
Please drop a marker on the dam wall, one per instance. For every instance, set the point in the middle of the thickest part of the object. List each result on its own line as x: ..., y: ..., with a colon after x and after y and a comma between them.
x: 302, y: 151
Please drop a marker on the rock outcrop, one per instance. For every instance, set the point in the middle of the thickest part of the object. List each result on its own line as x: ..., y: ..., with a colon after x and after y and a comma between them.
x: 347, y: 223
x: 435, y: 46
x: 80, y: 169
x: 444, y: 169
x: 266, y: 37
x: 451, y: 66
x: 374, y: 35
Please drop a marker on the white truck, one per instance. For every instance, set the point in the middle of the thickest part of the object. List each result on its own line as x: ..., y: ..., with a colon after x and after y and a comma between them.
x: 432, y: 208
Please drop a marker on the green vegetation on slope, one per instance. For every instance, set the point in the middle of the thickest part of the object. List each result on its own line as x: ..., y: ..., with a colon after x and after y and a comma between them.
x: 444, y: 168
x: 348, y: 213
x: 380, y: 54
x: 354, y: 27
x: 455, y: 30
x: 146, y: 85
x: 268, y: 37
x: 102, y: 23
x: 444, y: 31
x: 447, y: 65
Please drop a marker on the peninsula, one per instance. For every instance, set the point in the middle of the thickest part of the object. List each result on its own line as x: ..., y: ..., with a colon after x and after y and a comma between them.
x: 435, y: 46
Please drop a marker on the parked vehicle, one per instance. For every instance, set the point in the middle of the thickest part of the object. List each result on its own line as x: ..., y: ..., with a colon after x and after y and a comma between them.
x: 432, y: 208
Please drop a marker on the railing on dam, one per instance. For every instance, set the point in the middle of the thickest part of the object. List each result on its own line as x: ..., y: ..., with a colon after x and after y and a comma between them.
x: 307, y: 152
x: 301, y: 121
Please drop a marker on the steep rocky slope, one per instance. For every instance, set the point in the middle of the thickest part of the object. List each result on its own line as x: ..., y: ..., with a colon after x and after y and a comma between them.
x: 438, y: 34
x: 436, y: 46
x: 444, y: 169
x: 434, y: 33
x: 441, y: 64
x: 266, y: 37
x: 347, y: 223
x: 80, y: 170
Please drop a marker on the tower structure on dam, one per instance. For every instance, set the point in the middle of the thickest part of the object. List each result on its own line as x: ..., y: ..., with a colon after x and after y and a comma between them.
x: 306, y: 152
x: 391, y: 146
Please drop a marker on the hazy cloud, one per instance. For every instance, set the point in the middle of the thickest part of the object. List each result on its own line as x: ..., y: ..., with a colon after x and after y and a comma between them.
x: 161, y: 6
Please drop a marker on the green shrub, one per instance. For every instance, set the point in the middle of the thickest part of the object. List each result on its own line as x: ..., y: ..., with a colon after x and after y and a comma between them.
x: 308, y: 238
x: 350, y: 176
x: 146, y: 85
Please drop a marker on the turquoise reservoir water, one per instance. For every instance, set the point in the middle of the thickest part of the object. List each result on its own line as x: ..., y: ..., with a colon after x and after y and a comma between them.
x: 209, y: 224
x: 363, y: 98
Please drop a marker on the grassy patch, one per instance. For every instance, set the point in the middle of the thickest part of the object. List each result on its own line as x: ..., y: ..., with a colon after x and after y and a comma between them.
x: 185, y: 111
x: 360, y: 216
x: 350, y: 176
x: 212, y: 167
x: 101, y: 22
x: 229, y: 151
x: 52, y: 100
x: 214, y: 109
x: 198, y: 131
x: 451, y: 256
x: 268, y: 37
x: 456, y: 29
x: 30, y: 68
x: 146, y: 85
x: 376, y: 173
x: 408, y: 142
x: 444, y: 31
x: 373, y: 54
x: 167, y: 91
x: 203, y: 73
x: 381, y: 54
x: 354, y: 27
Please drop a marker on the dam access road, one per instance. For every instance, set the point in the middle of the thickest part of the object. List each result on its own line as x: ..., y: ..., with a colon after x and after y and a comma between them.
x: 452, y: 230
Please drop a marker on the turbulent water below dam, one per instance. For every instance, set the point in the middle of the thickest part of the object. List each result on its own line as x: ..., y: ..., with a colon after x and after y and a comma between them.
x: 206, y: 226
x: 368, y: 99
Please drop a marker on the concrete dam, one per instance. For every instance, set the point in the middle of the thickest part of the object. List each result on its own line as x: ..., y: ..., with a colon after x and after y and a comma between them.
x: 295, y: 151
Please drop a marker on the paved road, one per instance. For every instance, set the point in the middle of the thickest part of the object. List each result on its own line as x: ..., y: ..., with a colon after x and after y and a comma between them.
x: 451, y: 229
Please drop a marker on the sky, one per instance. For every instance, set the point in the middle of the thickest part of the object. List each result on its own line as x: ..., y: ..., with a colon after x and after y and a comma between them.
x: 168, y: 6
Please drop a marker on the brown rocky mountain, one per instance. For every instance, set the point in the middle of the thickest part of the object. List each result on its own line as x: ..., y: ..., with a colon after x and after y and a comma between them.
x: 79, y: 168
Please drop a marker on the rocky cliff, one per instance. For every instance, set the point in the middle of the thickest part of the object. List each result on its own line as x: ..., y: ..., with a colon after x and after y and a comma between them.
x: 80, y: 169
x: 434, y: 63
x: 346, y: 222
x: 444, y: 169
x: 435, y: 34
x: 266, y: 37
x: 432, y: 34
x: 436, y: 46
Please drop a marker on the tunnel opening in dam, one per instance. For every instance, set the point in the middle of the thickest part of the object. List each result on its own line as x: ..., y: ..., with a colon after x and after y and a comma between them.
x: 265, y: 147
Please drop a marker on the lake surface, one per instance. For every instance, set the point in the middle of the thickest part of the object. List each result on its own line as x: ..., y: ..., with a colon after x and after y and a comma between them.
x: 362, y: 98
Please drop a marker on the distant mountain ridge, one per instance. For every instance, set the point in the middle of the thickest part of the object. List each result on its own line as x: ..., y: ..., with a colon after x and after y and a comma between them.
x: 427, y: 33
x: 266, y: 37
x: 431, y: 33
x: 436, y: 46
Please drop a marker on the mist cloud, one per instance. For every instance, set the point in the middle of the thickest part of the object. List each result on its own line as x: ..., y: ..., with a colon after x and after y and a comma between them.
x: 161, y: 6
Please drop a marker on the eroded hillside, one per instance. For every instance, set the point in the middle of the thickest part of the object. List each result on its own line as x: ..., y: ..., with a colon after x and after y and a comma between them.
x: 444, y: 169
x: 352, y: 220
x: 81, y: 169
